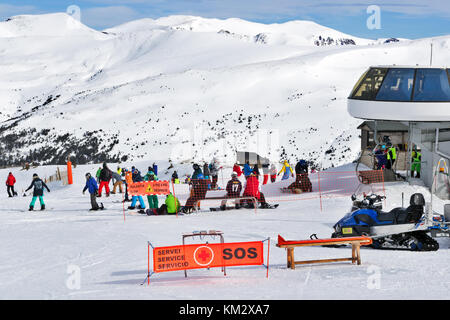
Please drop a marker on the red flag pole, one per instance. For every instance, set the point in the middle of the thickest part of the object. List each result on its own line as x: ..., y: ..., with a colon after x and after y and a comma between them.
x: 268, y: 255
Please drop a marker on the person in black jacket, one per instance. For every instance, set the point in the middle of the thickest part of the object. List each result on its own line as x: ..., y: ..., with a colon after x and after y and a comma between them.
x: 105, y: 177
x: 38, y: 191
x: 234, y: 188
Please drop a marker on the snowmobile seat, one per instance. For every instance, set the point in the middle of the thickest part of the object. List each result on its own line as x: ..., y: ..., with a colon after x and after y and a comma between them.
x: 415, y: 210
x: 386, y: 216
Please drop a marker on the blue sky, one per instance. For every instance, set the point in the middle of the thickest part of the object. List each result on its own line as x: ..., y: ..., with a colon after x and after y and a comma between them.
x: 399, y: 18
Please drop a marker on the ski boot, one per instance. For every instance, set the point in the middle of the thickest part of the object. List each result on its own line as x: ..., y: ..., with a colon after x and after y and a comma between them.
x: 31, y: 208
x: 43, y: 207
x: 131, y: 208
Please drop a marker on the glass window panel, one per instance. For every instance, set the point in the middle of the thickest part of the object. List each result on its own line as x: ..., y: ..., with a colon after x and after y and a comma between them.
x: 432, y: 85
x: 397, y: 85
x: 370, y: 84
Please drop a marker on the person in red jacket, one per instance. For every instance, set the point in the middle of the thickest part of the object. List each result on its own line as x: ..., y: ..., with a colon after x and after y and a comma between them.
x: 237, y: 169
x: 10, y: 185
x: 252, y: 190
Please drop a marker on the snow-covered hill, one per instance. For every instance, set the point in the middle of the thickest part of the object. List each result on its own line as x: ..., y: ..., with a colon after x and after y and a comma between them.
x: 184, y: 88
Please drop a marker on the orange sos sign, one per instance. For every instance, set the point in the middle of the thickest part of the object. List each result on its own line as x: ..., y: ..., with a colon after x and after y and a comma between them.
x: 149, y: 188
x: 197, y: 256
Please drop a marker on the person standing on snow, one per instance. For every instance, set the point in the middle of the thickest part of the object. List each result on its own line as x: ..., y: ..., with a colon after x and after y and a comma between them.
x: 152, y: 199
x: 10, y: 181
x: 97, y: 174
x: 117, y: 182
x: 155, y: 168
x: 266, y: 171
x: 136, y: 176
x: 105, y: 177
x: 197, y: 172
x: 214, y: 170
x: 38, y: 191
x: 91, y: 185
x: 287, y: 170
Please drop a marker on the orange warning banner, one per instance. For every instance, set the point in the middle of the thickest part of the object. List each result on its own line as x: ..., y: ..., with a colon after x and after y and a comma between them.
x: 148, y: 188
x: 197, y: 256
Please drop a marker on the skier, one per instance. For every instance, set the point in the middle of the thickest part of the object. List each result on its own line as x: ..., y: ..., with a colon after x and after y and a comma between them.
x: 104, y: 177
x: 155, y: 168
x: 252, y: 190
x: 10, y: 181
x: 91, y: 186
x: 152, y: 199
x: 247, y: 170
x: 287, y: 170
x: 234, y: 188
x: 38, y: 191
x: 136, y: 177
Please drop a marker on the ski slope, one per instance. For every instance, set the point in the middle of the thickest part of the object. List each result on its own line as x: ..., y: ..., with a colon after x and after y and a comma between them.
x: 41, y: 249
x: 185, y: 88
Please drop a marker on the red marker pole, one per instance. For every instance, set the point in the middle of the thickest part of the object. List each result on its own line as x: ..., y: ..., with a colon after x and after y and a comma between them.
x: 69, y: 173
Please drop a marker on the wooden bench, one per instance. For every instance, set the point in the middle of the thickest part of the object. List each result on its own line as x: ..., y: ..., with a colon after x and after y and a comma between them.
x: 253, y: 199
x: 356, y: 243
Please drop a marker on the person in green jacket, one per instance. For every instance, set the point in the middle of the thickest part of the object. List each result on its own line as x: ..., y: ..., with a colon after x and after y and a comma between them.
x: 416, y: 159
x: 153, y: 199
x: 171, y: 206
x: 97, y: 174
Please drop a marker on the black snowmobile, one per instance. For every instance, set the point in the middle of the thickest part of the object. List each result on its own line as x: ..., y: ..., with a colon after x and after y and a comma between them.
x: 400, y: 228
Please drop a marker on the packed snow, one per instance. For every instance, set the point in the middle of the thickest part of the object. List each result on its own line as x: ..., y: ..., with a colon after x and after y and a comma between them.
x: 44, y: 250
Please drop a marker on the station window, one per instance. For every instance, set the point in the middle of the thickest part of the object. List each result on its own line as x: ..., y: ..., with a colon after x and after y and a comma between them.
x: 397, y: 85
x: 432, y: 85
x: 369, y: 85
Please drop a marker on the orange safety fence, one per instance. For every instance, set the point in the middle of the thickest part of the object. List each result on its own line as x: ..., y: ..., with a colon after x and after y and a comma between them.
x: 319, y: 185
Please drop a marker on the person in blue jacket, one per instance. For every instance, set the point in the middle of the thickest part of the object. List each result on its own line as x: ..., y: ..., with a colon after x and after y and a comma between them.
x: 92, y: 187
x: 247, y: 170
x: 136, y: 176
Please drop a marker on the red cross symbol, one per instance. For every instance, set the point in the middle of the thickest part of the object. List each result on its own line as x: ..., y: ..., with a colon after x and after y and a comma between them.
x: 203, y: 256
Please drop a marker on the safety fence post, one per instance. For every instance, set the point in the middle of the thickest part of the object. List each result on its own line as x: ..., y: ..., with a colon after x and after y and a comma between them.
x: 320, y: 190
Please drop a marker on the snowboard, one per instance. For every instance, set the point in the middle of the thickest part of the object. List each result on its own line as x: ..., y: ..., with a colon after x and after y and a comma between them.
x: 223, y: 209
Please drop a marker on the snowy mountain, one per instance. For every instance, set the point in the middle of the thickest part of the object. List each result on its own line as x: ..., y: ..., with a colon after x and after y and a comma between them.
x: 184, y: 88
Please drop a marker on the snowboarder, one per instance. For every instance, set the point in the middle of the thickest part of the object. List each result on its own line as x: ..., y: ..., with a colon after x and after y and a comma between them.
x: 170, y: 206
x: 287, y: 170
x: 104, y: 177
x: 234, y: 188
x: 302, y: 182
x: 252, y: 190
x: 10, y: 181
x: 92, y: 187
x: 155, y: 168
x: 38, y: 191
x: 381, y: 158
